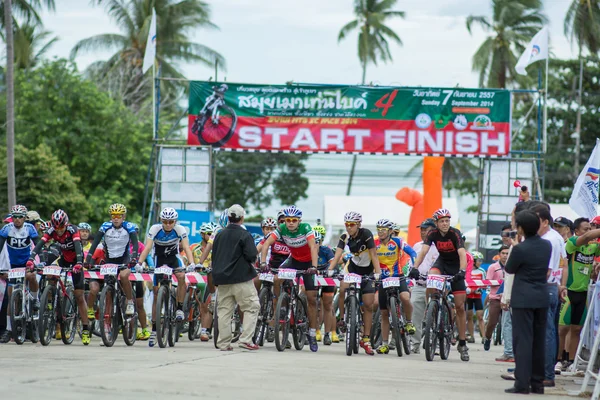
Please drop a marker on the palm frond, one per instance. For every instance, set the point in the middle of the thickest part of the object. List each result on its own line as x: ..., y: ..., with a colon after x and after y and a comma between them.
x: 107, y: 41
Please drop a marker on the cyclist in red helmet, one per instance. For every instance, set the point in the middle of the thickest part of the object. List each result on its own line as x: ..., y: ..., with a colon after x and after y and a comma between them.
x: 67, y: 236
x: 451, y: 261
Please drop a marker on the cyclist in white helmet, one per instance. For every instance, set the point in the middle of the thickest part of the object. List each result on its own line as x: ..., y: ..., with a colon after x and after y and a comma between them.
x: 165, y: 238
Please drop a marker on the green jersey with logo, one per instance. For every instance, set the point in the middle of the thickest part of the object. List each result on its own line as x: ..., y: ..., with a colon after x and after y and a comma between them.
x: 297, y: 241
x: 581, y: 264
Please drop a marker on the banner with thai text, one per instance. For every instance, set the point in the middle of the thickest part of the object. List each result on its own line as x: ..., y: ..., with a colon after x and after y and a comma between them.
x: 350, y: 119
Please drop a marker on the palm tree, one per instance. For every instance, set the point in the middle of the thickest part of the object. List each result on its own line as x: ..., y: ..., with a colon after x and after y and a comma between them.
x: 373, y: 33
x: 176, y: 20
x: 31, y: 42
x: 28, y: 9
x: 513, y: 24
x: 582, y: 24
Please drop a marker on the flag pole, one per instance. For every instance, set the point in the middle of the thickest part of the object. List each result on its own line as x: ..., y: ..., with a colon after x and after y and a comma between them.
x: 545, y: 138
x: 154, y: 132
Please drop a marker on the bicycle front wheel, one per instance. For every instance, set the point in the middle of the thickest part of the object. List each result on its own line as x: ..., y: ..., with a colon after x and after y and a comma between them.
x: 17, y: 316
x: 352, y: 327
x: 265, y: 298
x: 300, y: 327
x: 174, y: 326
x: 216, y: 130
x: 109, y: 329
x: 394, y: 310
x: 130, y: 324
x: 376, y: 339
x: 162, y: 316
x: 282, y: 321
x: 446, y: 332
x: 47, y: 321
x: 430, y: 333
x: 69, y: 317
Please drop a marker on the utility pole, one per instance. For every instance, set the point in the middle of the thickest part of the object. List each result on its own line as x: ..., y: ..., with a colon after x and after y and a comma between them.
x: 10, y: 104
x: 349, y: 189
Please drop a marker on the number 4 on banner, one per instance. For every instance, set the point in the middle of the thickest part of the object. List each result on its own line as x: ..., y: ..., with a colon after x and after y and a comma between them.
x: 382, y: 103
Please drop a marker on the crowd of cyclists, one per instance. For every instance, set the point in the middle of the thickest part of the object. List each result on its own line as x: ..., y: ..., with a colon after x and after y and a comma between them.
x: 287, y: 242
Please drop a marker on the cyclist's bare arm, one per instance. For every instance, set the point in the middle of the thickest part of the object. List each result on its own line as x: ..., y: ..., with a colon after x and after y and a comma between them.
x: 265, y: 249
x: 185, y: 244
x: 336, y: 258
x: 314, y: 251
x: 422, y: 254
x: 462, y: 255
x: 97, y: 238
x: 205, y: 253
x: 375, y: 260
x: 149, y: 245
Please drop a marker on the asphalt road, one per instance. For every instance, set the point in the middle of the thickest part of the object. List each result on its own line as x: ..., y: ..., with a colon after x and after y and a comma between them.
x: 198, y: 370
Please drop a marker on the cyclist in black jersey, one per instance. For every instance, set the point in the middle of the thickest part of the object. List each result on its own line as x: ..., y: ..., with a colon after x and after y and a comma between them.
x: 451, y: 261
x: 364, y: 261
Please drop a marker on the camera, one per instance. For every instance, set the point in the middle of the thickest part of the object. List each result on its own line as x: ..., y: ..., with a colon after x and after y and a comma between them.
x: 513, y: 234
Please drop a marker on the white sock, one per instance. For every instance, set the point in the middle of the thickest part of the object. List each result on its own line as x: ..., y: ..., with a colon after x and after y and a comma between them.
x: 203, y: 330
x: 312, y: 332
x: 8, y: 325
x: 34, y: 294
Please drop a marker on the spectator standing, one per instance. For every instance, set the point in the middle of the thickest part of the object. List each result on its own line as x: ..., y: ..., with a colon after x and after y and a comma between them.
x: 529, y: 262
x: 417, y: 297
x: 233, y: 254
x: 495, y: 272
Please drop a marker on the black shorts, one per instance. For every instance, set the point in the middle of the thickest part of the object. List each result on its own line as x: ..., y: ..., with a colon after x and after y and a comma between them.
x: 78, y: 280
x: 383, y: 295
x: 309, y: 280
x: 578, y: 302
x: 476, y: 304
x: 458, y: 287
x: 366, y: 288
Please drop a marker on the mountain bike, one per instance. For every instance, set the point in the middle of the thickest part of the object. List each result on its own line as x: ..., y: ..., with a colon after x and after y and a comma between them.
x: 291, y: 312
x: 23, y: 319
x: 167, y: 326
x: 113, y: 304
x: 215, y: 123
x: 391, y: 286
x: 265, y: 315
x: 57, y: 305
x: 191, y: 305
x: 439, y: 324
x: 352, y: 311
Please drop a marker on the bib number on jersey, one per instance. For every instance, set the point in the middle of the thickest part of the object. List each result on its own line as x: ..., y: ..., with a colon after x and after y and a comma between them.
x: 391, y: 282
x: 352, y: 278
x: 16, y: 273
x: 164, y: 270
x: 287, y: 274
x: 52, y: 270
x: 267, y: 277
x: 109, y: 269
x: 435, y: 282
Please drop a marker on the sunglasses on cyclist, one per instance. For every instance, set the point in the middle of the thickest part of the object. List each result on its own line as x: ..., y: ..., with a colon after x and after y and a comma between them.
x: 382, y: 228
x: 350, y: 224
x: 18, y: 216
x: 168, y: 221
x: 292, y: 220
x: 116, y: 216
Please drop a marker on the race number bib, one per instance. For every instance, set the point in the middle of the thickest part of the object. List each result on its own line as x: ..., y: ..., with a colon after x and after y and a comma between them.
x: 391, y: 282
x: 52, y: 270
x: 435, y: 282
x: 267, y: 277
x: 164, y: 270
x: 109, y: 269
x: 352, y: 278
x: 16, y: 273
x: 287, y: 274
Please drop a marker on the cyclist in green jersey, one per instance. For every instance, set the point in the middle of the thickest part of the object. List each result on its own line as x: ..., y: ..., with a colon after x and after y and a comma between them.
x: 304, y: 255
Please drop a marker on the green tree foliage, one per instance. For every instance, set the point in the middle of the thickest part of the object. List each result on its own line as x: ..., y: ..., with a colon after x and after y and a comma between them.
x: 255, y: 180
x: 28, y: 9
x: 44, y: 183
x: 373, y: 33
x: 582, y: 24
x: 513, y: 24
x: 100, y: 140
x: 122, y: 74
x: 31, y: 44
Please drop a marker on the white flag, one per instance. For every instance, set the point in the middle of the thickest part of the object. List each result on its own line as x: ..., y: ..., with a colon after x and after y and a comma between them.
x: 536, y: 50
x: 150, y: 45
x: 584, y: 200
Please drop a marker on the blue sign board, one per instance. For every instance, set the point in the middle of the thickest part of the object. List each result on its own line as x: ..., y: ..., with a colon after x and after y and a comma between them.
x: 191, y: 220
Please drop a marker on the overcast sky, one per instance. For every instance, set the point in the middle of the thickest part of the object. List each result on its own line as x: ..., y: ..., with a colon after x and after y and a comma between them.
x: 267, y: 41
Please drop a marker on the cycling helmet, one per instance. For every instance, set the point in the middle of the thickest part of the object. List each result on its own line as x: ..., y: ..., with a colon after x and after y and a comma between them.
x: 441, y: 213
x: 33, y: 216
x: 477, y: 255
x: 19, y: 210
x: 353, y: 216
x: 280, y: 215
x: 45, y: 226
x: 117, y: 208
x: 84, y: 226
x: 206, y: 228
x: 396, y: 227
x: 318, y: 237
x: 214, y: 226
x: 168, y: 213
x: 136, y: 227
x: 224, y: 218
x: 385, y: 223
x: 292, y: 211
x: 59, y: 218
x: 320, y: 229
x: 268, y: 223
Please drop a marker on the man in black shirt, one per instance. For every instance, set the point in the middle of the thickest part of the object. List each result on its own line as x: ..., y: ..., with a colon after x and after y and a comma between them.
x: 451, y: 261
x: 233, y: 253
